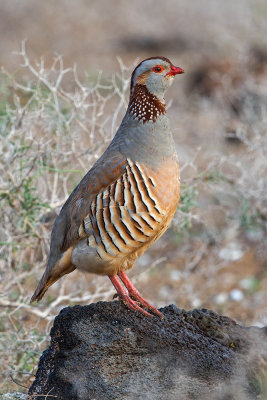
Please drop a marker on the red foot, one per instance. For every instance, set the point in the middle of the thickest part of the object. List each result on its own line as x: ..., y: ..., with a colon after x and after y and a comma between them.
x: 133, y: 292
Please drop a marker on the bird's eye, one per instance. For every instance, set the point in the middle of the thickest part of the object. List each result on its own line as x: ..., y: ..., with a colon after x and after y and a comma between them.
x: 158, y: 68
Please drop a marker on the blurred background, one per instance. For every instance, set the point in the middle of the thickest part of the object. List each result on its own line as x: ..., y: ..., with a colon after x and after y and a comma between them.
x: 57, y: 115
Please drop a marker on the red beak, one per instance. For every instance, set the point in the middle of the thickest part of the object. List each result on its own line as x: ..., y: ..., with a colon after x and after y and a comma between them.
x: 175, y: 71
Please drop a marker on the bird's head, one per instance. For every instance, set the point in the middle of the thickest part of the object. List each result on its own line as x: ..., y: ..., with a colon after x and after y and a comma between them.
x: 149, y: 81
x: 156, y: 74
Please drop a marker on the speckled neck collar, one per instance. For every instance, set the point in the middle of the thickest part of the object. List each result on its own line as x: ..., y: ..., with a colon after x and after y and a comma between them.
x: 145, y: 106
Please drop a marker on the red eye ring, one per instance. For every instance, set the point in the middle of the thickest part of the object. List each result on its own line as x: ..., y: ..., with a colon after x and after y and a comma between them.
x: 158, y: 69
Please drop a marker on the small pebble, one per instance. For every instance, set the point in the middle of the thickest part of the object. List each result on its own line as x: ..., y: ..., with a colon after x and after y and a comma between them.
x: 231, y: 253
x: 196, y: 303
x: 246, y: 283
x: 236, y: 295
x: 221, y: 298
x: 175, y: 275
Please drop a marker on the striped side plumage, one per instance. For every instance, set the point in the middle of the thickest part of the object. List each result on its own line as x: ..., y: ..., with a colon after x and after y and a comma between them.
x: 124, y: 216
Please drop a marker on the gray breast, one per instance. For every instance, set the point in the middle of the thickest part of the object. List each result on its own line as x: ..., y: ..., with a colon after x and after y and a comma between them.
x: 148, y: 143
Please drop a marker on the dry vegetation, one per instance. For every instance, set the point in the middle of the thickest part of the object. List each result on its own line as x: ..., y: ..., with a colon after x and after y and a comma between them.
x: 55, y: 125
x: 49, y: 137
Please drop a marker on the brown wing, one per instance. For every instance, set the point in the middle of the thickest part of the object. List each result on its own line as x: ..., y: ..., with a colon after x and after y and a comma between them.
x: 65, y: 233
x: 96, y: 181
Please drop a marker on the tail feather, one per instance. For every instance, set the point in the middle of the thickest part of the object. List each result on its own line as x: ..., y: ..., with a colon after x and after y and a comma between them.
x: 42, y: 287
x: 53, y: 273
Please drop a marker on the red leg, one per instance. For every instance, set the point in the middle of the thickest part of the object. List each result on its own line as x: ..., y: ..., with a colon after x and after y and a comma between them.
x: 125, y: 297
x: 136, y: 295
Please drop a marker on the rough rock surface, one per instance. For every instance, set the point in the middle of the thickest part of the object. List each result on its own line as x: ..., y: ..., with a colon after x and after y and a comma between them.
x: 104, y: 351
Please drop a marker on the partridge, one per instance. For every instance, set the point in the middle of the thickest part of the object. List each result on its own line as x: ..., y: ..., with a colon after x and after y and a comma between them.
x: 127, y: 199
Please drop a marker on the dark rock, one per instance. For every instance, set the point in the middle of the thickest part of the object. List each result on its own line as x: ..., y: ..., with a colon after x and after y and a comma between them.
x: 104, y: 351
